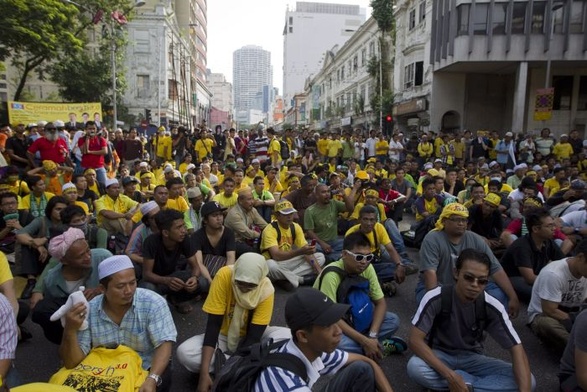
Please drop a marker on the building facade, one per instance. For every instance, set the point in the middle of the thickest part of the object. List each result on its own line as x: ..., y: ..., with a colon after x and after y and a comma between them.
x: 310, y: 30
x: 222, y: 102
x: 252, y: 76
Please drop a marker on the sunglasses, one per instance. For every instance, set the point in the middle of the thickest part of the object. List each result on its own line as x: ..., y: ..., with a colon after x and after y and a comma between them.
x: 472, y: 279
x: 359, y: 258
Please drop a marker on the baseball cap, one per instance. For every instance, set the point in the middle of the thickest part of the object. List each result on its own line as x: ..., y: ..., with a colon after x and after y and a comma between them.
x: 493, y: 199
x: 129, y: 180
x: 578, y: 185
x: 285, y: 207
x: 211, y: 207
x: 309, y: 306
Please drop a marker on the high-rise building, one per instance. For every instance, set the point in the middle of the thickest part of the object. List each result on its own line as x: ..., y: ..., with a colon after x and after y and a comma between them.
x: 222, y: 105
x: 251, y: 73
x: 310, y: 30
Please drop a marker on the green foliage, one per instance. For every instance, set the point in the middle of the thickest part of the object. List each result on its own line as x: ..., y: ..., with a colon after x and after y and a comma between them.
x: 94, y: 71
x: 383, y: 14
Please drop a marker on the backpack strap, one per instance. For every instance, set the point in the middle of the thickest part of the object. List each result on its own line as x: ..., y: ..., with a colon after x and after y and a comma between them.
x: 480, y: 315
x: 289, y: 362
x: 330, y: 268
x: 275, y: 225
x: 445, y: 310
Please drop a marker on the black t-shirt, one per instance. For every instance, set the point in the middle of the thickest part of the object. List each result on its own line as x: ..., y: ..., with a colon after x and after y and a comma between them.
x: 523, y: 253
x: 489, y: 227
x: 89, y: 198
x: 19, y: 147
x: 227, y: 242
x: 166, y: 260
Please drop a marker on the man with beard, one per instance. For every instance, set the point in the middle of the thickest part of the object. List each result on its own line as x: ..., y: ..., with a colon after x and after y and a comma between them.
x: 246, y: 222
x: 193, y: 217
x: 50, y: 147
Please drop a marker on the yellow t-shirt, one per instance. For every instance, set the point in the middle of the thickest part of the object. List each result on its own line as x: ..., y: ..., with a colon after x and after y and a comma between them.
x: 83, y: 205
x: 25, y: 202
x: 379, y: 230
x: 278, y: 187
x: 552, y: 185
x: 122, y: 205
x: 224, y: 201
x: 430, y: 206
x: 221, y: 302
x: 334, y: 146
x: 178, y: 204
x: 5, y: 273
x: 322, y: 146
x: 20, y: 188
x: 381, y: 217
x: 381, y: 147
x: 562, y: 150
x: 94, y: 188
x: 274, y: 146
x: 203, y: 148
x: 164, y: 141
x: 286, y: 242
x: 438, y: 142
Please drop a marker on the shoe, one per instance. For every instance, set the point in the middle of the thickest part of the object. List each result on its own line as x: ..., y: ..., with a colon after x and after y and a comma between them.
x: 389, y: 288
x: 394, y: 345
x: 308, y: 280
x: 411, y: 268
x: 28, y: 289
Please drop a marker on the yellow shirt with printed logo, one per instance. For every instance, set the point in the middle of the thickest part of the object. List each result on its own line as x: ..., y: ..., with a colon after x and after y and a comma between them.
x: 286, y: 242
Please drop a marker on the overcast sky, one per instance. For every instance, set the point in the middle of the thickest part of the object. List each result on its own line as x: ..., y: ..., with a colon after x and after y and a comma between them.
x: 233, y: 24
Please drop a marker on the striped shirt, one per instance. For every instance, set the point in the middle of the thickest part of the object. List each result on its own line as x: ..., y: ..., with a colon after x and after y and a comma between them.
x: 144, y: 327
x: 8, y: 331
x: 275, y: 379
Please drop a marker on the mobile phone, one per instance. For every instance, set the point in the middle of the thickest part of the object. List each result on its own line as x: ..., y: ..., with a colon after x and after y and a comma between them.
x: 313, y: 243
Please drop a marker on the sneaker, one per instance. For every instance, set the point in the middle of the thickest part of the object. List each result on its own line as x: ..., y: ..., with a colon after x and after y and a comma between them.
x: 27, y: 292
x: 394, y: 345
x: 389, y: 288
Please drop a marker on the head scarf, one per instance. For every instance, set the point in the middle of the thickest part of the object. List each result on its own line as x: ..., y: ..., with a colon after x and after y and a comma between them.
x: 372, y: 192
x: 450, y: 210
x: 59, y: 245
x: 249, y: 268
x: 49, y: 165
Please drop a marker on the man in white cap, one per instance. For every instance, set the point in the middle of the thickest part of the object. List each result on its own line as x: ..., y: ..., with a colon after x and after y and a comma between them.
x: 124, y: 314
x: 134, y: 248
x: 73, y: 265
x: 516, y: 179
x: 192, y: 217
x: 115, y: 211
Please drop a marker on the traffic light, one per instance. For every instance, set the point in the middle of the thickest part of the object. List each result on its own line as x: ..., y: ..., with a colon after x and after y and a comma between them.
x: 148, y: 115
x: 388, y: 119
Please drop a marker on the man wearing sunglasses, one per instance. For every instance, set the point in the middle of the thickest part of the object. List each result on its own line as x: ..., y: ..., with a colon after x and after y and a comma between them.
x: 51, y: 147
x: 445, y: 359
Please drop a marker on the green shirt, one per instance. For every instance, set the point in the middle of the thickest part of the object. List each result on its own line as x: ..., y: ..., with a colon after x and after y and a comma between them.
x: 322, y: 220
x: 331, y: 281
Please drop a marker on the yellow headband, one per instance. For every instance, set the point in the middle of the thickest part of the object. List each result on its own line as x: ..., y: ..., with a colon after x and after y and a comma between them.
x: 450, y: 210
x: 371, y: 192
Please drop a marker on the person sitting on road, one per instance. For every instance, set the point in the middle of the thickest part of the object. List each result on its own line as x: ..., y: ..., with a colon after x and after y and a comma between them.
x: 291, y: 260
x: 9, y: 340
x: 573, y: 364
x: 372, y: 336
x: 193, y: 216
x: 73, y: 265
x: 447, y: 344
x: 314, y: 321
x: 20, y: 308
x: 36, y: 201
x: 75, y: 216
x: 430, y: 203
x: 11, y: 220
x: 246, y: 222
x: 557, y: 295
x: 170, y: 266
x: 239, y: 308
x: 115, y: 211
x: 228, y: 197
x: 147, y: 226
x: 123, y: 315
x: 485, y: 220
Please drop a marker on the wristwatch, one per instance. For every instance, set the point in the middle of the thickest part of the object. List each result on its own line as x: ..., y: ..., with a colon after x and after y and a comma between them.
x: 155, y: 377
x: 373, y: 335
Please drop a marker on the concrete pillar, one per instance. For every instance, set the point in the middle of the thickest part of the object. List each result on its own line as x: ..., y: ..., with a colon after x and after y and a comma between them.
x: 519, y: 103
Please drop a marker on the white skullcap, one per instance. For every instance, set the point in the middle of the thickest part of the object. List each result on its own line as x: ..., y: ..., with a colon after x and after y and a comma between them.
x: 59, y: 244
x: 112, y: 265
x: 66, y: 186
x: 111, y: 181
x: 536, y: 167
x: 493, y: 163
x: 190, y: 166
x: 148, y: 207
x: 143, y: 164
x: 427, y: 166
x: 168, y: 169
x: 518, y: 167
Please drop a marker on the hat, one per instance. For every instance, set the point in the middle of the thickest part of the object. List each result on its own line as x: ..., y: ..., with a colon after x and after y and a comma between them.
x: 255, y: 161
x: 433, y: 172
x: 147, y: 174
x: 143, y: 164
x: 362, y: 175
x: 578, y: 185
x: 564, y: 135
x: 493, y: 199
x: 249, y: 169
x: 484, y: 167
x: 239, y: 160
x: 148, y: 207
x: 493, y: 163
x: 42, y: 123
x: 210, y: 208
x: 190, y: 166
x: 438, y: 160
x: 61, y: 124
x: 31, y: 125
x: 111, y: 181
x: 427, y: 165
x: 67, y: 186
x: 168, y: 169
x: 536, y: 167
x: 530, y: 173
x: 518, y: 167
x: 309, y: 306
x: 59, y: 245
x: 285, y: 207
x: 112, y: 265
x: 193, y: 192
x: 509, y: 134
x: 372, y: 160
x: 129, y: 180
x: 372, y: 192
x: 49, y: 165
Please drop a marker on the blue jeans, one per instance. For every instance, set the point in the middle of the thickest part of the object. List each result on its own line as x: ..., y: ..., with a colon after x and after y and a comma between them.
x: 482, y: 372
x: 491, y: 288
x: 336, y: 245
x: 355, y: 377
x: 389, y: 325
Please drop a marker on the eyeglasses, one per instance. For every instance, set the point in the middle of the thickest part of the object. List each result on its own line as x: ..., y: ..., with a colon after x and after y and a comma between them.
x: 458, y: 220
x: 359, y: 257
x: 472, y: 279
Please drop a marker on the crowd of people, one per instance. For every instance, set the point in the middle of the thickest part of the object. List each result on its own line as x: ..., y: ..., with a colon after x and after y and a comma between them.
x: 140, y: 222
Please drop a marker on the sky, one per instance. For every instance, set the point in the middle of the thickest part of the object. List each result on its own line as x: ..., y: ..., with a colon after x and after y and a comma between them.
x: 233, y: 24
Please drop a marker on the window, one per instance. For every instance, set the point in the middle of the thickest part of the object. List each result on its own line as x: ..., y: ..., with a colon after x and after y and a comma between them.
x: 422, y: 11
x: 563, y: 91
x: 419, y: 73
x: 409, y: 76
x: 538, y: 12
x: 582, y: 102
x: 355, y: 63
x: 143, y: 86
x: 142, y: 43
x: 371, y: 49
x: 172, y: 89
x: 290, y: 29
x: 463, y: 19
x: 349, y: 102
x: 412, y: 19
x: 578, y: 9
x: 342, y: 73
x: 363, y: 57
x: 3, y: 85
x: 480, y: 19
x: 291, y: 20
x: 499, y: 13
x: 519, y: 18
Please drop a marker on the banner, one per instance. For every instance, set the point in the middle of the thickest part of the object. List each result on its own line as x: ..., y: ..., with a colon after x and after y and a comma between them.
x: 543, y: 104
x: 32, y: 112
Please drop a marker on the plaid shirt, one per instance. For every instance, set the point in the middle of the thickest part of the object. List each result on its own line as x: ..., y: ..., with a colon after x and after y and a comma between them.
x: 144, y: 327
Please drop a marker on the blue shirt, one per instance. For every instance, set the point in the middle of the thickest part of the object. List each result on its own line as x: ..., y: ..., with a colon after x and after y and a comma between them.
x: 144, y: 327
x: 278, y: 379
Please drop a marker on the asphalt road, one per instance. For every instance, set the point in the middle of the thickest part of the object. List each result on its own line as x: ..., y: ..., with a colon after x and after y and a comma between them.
x: 37, y: 359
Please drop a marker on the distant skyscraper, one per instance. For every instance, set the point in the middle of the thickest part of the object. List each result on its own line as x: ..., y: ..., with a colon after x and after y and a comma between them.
x: 251, y: 73
x: 310, y: 30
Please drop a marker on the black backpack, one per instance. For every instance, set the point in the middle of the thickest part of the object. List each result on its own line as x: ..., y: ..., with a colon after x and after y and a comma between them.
x: 284, y: 149
x: 446, y: 294
x: 241, y: 371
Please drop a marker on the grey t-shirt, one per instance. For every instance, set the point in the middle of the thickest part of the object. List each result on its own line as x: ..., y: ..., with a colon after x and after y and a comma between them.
x: 577, y: 340
x: 461, y: 336
x: 439, y: 254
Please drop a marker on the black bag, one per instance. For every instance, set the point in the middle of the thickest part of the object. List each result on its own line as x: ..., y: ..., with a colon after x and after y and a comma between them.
x: 284, y: 149
x: 240, y: 372
x: 423, y: 228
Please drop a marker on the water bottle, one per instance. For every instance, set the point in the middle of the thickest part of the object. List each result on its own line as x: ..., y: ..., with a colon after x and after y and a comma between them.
x: 112, y: 244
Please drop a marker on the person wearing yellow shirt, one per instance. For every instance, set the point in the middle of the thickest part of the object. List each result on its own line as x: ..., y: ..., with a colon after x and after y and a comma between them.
x: 176, y: 201
x: 334, y: 147
x: 185, y: 165
x: 14, y: 185
x: 69, y: 193
x: 563, y: 149
x: 115, y: 211
x: 322, y: 146
x: 459, y: 149
x: 493, y: 140
x: 274, y: 149
x: 228, y: 197
x: 36, y: 201
x: 250, y: 175
x: 204, y: 147
x: 164, y: 146
x: 371, y: 197
x: 381, y: 148
x: 553, y: 184
x: 53, y: 175
x: 425, y: 148
x: 93, y: 183
x: 429, y: 203
x: 146, y: 187
x: 272, y: 184
x: 438, y: 142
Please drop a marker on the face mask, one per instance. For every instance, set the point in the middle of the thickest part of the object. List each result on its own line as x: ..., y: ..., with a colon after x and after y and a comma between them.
x: 83, y: 227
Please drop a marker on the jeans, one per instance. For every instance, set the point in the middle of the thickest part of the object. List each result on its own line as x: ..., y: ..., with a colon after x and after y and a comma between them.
x: 482, y: 372
x: 389, y: 325
x: 523, y: 289
x: 398, y: 242
x: 336, y: 245
x: 491, y: 288
x: 356, y: 377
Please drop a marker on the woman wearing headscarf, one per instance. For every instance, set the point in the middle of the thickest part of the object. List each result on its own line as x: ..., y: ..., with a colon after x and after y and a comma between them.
x: 239, y: 307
